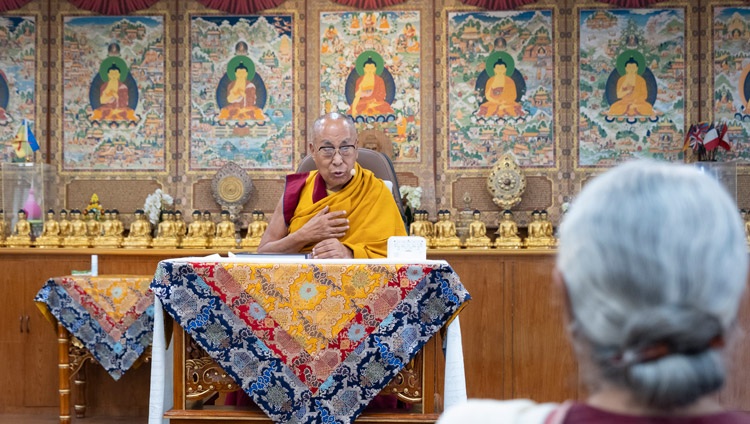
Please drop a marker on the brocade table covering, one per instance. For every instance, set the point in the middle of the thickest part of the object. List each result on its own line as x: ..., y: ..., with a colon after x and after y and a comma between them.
x: 310, y: 341
x: 113, y: 315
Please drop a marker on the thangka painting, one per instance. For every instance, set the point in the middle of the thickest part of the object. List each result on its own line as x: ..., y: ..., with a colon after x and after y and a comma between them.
x: 17, y: 81
x: 241, y: 92
x: 370, y: 70
x: 113, y: 93
x: 501, y: 85
x: 632, y: 85
x: 731, y: 70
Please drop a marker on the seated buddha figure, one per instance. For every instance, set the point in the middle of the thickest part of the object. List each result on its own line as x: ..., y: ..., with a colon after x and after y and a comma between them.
x: 64, y: 222
x: 209, y: 228
x: 445, y: 232
x: 478, y: 233
x: 78, y: 231
x: 21, y: 235
x: 93, y: 227
x: 139, y: 235
x: 50, y: 232
x: 196, y: 237
x: 507, y: 232
x: 631, y: 93
x: 225, y: 233
x: 428, y: 229
x: 180, y: 227
x: 166, y: 232
x: 107, y: 237
x: 538, y: 232
x: 255, y: 230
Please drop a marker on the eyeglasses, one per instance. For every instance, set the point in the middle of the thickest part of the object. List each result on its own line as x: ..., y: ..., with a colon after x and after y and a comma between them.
x: 329, y: 151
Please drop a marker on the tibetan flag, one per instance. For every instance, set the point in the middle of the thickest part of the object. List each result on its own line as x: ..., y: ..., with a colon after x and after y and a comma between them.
x: 30, y: 137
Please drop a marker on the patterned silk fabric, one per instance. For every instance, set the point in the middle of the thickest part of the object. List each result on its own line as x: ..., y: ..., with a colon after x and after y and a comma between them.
x: 113, y: 316
x: 310, y: 342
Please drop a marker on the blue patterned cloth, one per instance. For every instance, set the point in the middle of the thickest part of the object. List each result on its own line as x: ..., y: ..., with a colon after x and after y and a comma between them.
x: 274, y: 385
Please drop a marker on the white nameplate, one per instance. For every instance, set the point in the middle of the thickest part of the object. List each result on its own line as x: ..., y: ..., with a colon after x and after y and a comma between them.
x: 403, y: 247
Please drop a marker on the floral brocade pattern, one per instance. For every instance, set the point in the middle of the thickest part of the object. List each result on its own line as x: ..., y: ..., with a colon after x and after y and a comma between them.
x: 310, y: 342
x: 112, y: 316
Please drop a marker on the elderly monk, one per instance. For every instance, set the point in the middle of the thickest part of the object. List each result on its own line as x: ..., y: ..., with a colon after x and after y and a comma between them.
x: 340, y: 210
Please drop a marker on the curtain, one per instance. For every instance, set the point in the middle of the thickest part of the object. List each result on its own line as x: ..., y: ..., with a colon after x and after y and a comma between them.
x: 630, y: 3
x: 368, y: 4
x: 497, y: 4
x: 113, y: 7
x: 6, y: 5
x: 240, y: 7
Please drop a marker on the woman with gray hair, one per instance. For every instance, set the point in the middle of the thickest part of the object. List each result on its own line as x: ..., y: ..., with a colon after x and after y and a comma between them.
x: 653, y: 263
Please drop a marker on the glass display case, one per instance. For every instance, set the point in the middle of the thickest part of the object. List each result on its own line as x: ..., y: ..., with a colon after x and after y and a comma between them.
x: 26, y: 186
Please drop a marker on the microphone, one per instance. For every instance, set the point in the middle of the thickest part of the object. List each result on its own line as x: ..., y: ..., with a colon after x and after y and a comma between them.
x: 353, y: 171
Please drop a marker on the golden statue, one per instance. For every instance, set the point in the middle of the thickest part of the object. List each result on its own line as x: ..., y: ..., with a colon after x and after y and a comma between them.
x: 225, y: 233
x: 415, y: 228
x: 21, y: 235
x: 507, y: 232
x: 195, y: 236
x: 445, y: 232
x: 540, y: 231
x: 93, y: 227
x: 94, y: 207
x: 423, y: 227
x: 65, y: 229
x: 166, y: 232
x: 50, y: 232
x: 111, y: 232
x: 139, y: 235
x: 3, y: 228
x: 255, y: 230
x: 209, y: 228
x: 78, y: 231
x: 180, y: 228
x: 478, y: 233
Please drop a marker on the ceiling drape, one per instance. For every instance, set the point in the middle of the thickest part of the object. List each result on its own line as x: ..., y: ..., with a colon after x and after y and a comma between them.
x: 368, y: 4
x: 512, y: 4
x: 6, y: 5
x: 241, y: 7
x: 113, y: 7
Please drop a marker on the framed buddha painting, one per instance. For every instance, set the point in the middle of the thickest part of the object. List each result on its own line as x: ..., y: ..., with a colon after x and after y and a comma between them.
x: 113, y: 101
x: 728, y: 67
x: 633, y: 84
x: 19, y: 74
x: 241, y: 91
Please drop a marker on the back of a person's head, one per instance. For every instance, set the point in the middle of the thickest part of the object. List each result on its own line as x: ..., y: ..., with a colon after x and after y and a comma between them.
x: 654, y: 260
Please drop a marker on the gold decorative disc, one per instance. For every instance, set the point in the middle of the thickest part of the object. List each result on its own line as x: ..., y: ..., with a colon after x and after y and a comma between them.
x: 231, y: 186
x: 506, y: 182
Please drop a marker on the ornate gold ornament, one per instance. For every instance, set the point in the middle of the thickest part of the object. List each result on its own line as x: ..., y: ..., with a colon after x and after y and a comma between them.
x: 231, y: 187
x: 506, y: 182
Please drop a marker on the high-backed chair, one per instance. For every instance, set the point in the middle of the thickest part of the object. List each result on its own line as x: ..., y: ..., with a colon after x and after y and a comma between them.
x: 377, y: 162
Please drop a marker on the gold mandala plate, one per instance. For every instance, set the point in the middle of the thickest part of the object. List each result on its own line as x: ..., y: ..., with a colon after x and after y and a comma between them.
x: 231, y: 186
x: 506, y: 182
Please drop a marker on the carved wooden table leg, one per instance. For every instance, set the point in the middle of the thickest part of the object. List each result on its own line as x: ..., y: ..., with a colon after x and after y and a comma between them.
x: 79, y: 382
x: 63, y: 364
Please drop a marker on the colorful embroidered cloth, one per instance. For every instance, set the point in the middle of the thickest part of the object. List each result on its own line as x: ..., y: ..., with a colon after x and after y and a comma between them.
x: 113, y: 316
x: 311, y: 341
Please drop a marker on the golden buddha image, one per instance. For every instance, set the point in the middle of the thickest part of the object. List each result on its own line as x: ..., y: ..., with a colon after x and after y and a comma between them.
x: 111, y: 231
x: 21, y: 234
x: 507, y: 232
x: 255, y: 230
x: 540, y: 231
x: 139, y: 235
x: 631, y: 90
x: 501, y: 86
x: 225, y: 233
x: 371, y: 90
x: 78, y: 236
x: 196, y: 238
x: 477, y: 238
x: 50, y: 236
x: 166, y: 232
x: 445, y: 232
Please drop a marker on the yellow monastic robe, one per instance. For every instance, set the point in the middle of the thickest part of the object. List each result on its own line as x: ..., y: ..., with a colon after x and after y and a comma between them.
x: 369, y: 205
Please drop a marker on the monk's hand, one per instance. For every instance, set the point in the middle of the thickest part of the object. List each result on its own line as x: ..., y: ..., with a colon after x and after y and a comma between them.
x: 331, y: 249
x: 326, y: 224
